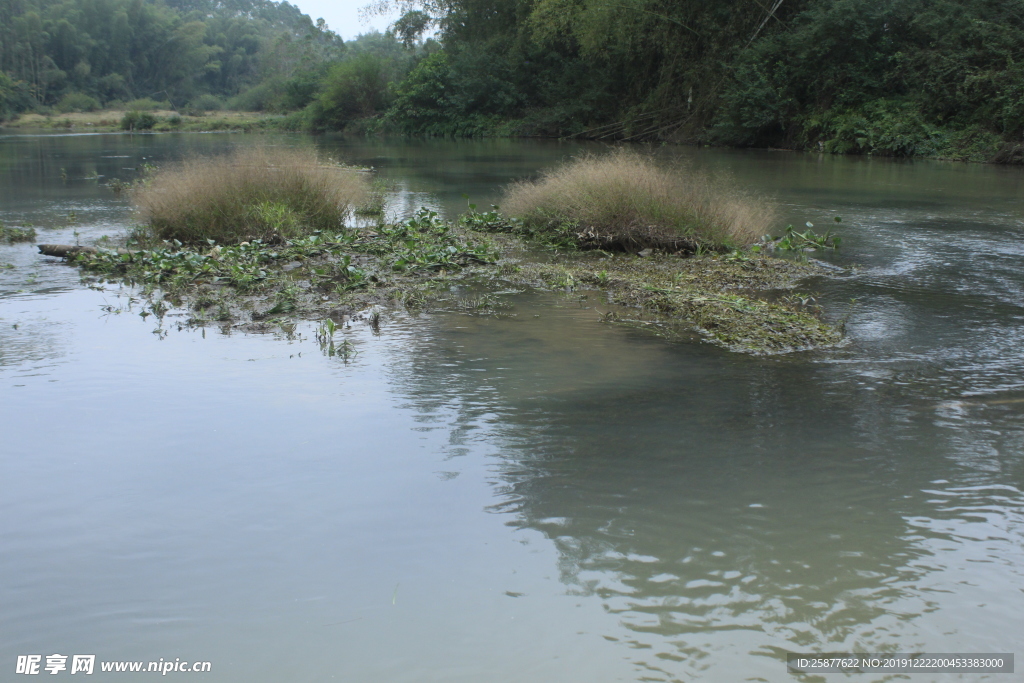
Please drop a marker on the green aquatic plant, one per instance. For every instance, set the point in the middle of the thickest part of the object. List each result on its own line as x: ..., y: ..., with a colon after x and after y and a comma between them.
x: 426, y: 241
x: 807, y: 240
x: 491, y: 221
x: 158, y: 308
x: 300, y: 276
x: 324, y: 335
x: 376, y: 200
x: 285, y: 301
x: 739, y: 256
x: 137, y: 120
x: 339, y: 273
x: 10, y: 235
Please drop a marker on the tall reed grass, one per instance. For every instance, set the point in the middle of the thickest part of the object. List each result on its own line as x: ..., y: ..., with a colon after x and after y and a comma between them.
x: 252, y: 193
x: 624, y: 200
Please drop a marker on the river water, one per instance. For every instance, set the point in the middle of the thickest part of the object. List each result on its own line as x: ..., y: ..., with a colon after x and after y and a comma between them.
x: 539, y: 497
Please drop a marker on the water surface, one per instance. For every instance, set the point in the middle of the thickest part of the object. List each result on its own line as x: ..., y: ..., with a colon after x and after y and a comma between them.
x: 539, y: 497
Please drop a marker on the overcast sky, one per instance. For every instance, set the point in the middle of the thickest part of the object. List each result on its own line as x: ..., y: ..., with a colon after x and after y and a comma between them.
x: 342, y: 16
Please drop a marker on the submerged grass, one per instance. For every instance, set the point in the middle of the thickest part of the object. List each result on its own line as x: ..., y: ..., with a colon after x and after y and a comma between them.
x: 721, y: 298
x: 625, y: 201
x: 251, y: 194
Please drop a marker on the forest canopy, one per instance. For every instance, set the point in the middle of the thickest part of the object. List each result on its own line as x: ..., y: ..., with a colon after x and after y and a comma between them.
x: 76, y: 55
x: 892, y: 77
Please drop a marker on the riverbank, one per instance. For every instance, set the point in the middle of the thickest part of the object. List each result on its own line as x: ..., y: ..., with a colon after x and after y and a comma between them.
x: 165, y: 121
x: 972, y: 145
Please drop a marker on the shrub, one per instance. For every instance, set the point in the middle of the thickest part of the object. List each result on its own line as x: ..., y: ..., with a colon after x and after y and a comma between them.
x: 76, y: 102
x: 265, y: 96
x: 206, y: 103
x: 14, y: 96
x: 882, y: 127
x: 623, y: 200
x: 137, y: 120
x: 353, y: 89
x: 254, y: 193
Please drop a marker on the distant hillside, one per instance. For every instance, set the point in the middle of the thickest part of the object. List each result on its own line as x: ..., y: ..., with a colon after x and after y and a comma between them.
x: 81, y: 54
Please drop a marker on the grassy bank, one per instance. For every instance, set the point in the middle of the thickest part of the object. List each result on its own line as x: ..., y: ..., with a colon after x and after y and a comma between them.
x: 890, y: 136
x: 109, y: 121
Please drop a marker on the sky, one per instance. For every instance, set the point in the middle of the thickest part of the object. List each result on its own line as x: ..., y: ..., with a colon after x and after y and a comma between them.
x: 342, y: 16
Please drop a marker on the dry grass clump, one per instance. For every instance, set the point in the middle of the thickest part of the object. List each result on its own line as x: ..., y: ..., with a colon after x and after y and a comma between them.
x: 252, y: 193
x: 625, y: 201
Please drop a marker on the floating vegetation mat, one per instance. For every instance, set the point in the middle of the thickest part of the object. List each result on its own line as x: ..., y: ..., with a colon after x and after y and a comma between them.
x: 740, y: 301
x: 728, y: 301
x: 10, y: 235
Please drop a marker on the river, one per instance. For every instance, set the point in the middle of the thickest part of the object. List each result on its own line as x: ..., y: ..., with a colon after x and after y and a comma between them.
x: 534, y: 497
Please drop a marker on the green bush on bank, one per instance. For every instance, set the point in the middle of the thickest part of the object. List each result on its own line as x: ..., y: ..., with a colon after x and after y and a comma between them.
x: 15, y: 97
x: 883, y: 128
x: 353, y: 89
x: 137, y: 120
x: 205, y: 103
x: 76, y: 102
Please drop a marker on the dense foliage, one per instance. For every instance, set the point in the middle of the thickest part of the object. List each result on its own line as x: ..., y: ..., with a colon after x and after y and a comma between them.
x: 78, y: 55
x: 902, y: 77
x: 892, y: 77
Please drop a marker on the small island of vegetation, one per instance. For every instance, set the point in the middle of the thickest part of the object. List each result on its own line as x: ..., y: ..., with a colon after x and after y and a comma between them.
x: 257, y: 239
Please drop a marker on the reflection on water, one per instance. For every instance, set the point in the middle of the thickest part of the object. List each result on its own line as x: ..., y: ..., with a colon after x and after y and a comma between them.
x: 725, y: 511
x: 537, y: 497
